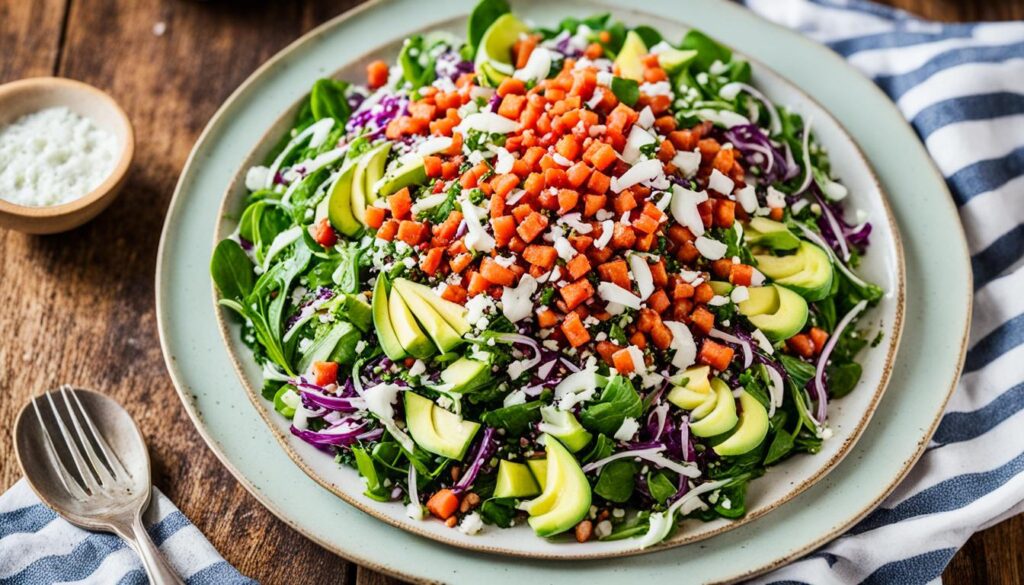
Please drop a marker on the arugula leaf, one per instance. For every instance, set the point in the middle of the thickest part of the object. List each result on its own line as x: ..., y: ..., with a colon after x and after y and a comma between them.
x: 374, y: 487
x: 618, y: 401
x: 346, y: 276
x: 231, y: 270
x: 515, y: 419
x: 627, y: 90
x: 617, y: 480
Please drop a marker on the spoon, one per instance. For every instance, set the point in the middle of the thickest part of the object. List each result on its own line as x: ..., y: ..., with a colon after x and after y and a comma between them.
x: 85, y: 458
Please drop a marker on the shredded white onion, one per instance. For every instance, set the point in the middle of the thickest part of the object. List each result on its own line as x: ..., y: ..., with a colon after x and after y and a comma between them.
x: 613, y: 293
x: 819, y: 370
x: 808, y: 171
x: 777, y: 391
x: 733, y: 89
x: 643, y: 276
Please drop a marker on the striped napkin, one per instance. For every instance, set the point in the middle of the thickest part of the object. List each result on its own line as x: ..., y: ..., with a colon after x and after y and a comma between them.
x: 962, y: 88
x: 38, y: 548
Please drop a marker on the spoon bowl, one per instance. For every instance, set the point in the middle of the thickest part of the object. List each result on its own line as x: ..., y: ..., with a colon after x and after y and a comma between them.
x: 85, y: 458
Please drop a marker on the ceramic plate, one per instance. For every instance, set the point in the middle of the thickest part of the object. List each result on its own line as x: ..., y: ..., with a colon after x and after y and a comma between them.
x: 203, y: 370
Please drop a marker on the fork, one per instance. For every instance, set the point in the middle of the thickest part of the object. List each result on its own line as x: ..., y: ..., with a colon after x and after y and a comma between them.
x: 73, y: 468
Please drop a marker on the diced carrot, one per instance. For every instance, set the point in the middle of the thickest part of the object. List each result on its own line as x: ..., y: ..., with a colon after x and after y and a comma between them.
x: 432, y: 261
x: 567, y: 199
x: 645, y: 224
x: 325, y: 373
x: 521, y: 211
x: 538, y: 255
x: 524, y: 48
x: 624, y: 202
x: 411, y: 232
x: 741, y: 274
x: 703, y: 319
x: 575, y: 293
x: 511, y: 106
x: 532, y: 226
x: 517, y: 245
x: 533, y: 155
x: 725, y: 213
x: 658, y: 274
x: 723, y: 161
x: 457, y: 247
x: 511, y: 85
x: 776, y: 213
x: 581, y: 243
x: 593, y: 51
x: 703, y: 293
x: 623, y: 237
x: 593, y: 203
x: 578, y: 174
x: 679, y: 235
x: 721, y: 268
x: 801, y: 345
x: 449, y: 227
x: 477, y: 284
x: 621, y: 118
x: 654, y: 75
x: 574, y: 330
x: 599, y: 182
x: 422, y: 111
x: 400, y: 203
x: 623, y: 361
x: 374, y: 217
x: 455, y: 294
x: 658, y: 301
x: 820, y: 337
x: 607, y: 349
x: 665, y: 125
x: 449, y: 170
x: 388, y: 229
x: 496, y: 273
x: 616, y: 272
x: 578, y: 266
x: 687, y: 253
x: 646, y: 320
x: 432, y: 166
x: 682, y: 290
x: 715, y: 355
x: 460, y: 262
x: 503, y: 184
x: 534, y: 184
x: 600, y: 256
x: 568, y: 147
x: 555, y: 177
x: 644, y: 241
x: 546, y: 318
x: 376, y: 74
x: 601, y: 157
x: 443, y: 504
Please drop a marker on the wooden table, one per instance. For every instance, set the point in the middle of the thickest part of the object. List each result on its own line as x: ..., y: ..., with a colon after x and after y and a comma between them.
x: 78, y: 307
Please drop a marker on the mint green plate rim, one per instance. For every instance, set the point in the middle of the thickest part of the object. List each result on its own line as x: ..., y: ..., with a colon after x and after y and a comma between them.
x: 934, y: 338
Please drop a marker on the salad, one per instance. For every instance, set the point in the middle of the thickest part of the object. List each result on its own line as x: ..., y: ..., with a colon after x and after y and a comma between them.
x: 585, y: 278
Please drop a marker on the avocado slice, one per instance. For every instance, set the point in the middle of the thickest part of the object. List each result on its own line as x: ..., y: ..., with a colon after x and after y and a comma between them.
x: 358, y: 311
x: 437, y: 430
x: 813, y: 280
x: 761, y: 300
x: 674, y: 60
x: 408, y: 332
x: 443, y: 336
x: 720, y: 287
x: 368, y: 171
x: 696, y: 389
x: 563, y: 425
x: 705, y: 407
x: 284, y: 400
x: 786, y: 321
x: 494, y: 55
x: 539, y: 467
x: 722, y: 418
x: 465, y: 374
x: 411, y: 173
x: 566, y: 497
x: 382, y: 321
x: 750, y: 430
x: 630, y: 59
x: 515, y: 480
x: 771, y: 233
x: 339, y: 203
x: 452, y: 313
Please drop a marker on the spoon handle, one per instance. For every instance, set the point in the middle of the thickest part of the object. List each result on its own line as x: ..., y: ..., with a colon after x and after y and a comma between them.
x: 157, y: 567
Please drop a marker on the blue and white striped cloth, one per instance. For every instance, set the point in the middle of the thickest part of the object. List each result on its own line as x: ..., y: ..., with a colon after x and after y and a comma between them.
x: 39, y: 548
x: 962, y: 88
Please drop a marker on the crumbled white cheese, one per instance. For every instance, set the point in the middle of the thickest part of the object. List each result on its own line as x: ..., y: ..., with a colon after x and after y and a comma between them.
x: 471, y: 524
x: 537, y: 66
x: 626, y: 431
x: 739, y: 294
x: 776, y: 198
x: 637, y: 138
x: 688, y: 163
x: 516, y: 303
x: 747, y: 198
x: 53, y: 156
x: 710, y: 249
x: 721, y: 183
x: 642, y: 171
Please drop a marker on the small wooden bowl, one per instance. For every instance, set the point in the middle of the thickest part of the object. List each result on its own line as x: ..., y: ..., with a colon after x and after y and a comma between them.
x: 31, y: 95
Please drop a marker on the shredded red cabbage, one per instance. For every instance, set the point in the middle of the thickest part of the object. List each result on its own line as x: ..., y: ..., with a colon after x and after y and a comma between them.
x: 485, y: 449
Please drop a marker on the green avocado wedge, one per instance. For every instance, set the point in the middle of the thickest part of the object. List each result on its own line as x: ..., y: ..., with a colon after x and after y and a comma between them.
x: 539, y: 468
x: 339, y: 203
x: 382, y: 321
x: 437, y: 430
x: 452, y: 313
x: 443, y: 336
x: 407, y: 330
x: 411, y: 173
x: 813, y: 279
x: 465, y: 375
x: 566, y: 497
x: 564, y: 426
x: 722, y: 418
x: 695, y: 391
x: 786, y: 321
x: 750, y: 431
x: 494, y: 55
x: 630, y: 57
x: 773, y: 234
x: 368, y: 171
x: 515, y: 480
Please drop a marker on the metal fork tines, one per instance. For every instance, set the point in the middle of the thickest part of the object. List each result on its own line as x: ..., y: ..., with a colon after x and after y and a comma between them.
x: 98, y: 473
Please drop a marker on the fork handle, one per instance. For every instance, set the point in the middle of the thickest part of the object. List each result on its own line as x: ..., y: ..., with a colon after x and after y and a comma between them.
x: 157, y: 567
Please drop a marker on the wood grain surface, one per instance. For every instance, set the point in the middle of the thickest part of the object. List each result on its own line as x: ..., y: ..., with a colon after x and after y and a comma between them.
x: 79, y: 307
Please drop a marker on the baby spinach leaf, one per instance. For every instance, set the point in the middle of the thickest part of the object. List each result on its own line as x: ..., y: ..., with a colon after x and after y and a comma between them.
x: 781, y: 446
x: 661, y: 486
x: 649, y: 35
x: 842, y: 378
x: 603, y: 447
x: 231, y: 270
x: 627, y: 90
x: 800, y: 372
x: 617, y: 480
x: 483, y: 15
x: 346, y: 275
x: 327, y: 100
x: 515, y: 419
x: 374, y: 486
x: 498, y: 511
x: 708, y: 51
x: 618, y: 401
